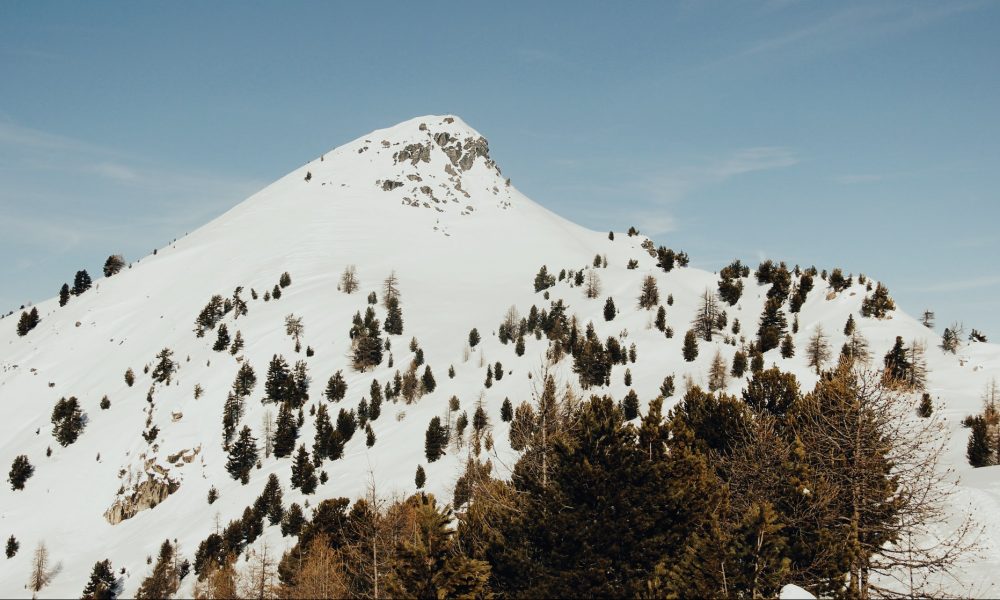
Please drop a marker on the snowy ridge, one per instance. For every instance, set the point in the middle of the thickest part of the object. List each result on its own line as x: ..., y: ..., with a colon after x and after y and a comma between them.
x: 424, y: 199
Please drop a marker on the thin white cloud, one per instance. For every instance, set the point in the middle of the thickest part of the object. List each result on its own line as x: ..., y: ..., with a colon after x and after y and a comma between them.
x: 674, y: 184
x: 859, y: 178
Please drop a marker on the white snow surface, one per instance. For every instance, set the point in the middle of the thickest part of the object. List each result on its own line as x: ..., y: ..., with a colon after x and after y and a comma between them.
x: 465, y: 249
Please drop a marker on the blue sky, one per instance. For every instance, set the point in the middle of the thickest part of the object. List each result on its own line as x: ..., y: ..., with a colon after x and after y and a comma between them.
x: 862, y: 135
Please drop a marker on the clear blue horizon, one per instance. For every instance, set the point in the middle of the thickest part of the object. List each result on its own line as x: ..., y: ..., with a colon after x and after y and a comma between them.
x: 861, y: 135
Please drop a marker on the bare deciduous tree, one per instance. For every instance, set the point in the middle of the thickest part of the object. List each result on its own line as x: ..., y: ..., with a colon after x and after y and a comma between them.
x: 349, y: 279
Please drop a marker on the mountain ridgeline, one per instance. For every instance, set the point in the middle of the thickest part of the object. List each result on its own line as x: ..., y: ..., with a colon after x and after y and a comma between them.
x: 391, y: 374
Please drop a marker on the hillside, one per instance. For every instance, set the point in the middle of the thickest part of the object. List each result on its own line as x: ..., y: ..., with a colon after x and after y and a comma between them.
x: 424, y: 200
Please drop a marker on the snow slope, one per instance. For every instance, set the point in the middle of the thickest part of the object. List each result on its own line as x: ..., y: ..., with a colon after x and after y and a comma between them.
x: 425, y: 200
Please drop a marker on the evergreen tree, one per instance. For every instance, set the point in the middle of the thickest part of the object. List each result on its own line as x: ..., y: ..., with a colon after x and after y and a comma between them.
x: 435, y: 440
x: 113, y: 265
x: 336, y: 388
x: 102, y: 584
x: 232, y: 412
x: 420, y: 478
x: 772, y: 326
x: 12, y: 546
x: 269, y: 501
x: 81, y: 282
x: 787, y: 347
x: 237, y: 344
x: 222, y: 342
x: 609, y: 309
x: 661, y: 318
x: 67, y: 421
x: 20, y: 471
x: 772, y: 391
x: 427, y: 380
x: 245, y: 380
x: 519, y: 346
x: 898, y: 367
x: 164, y: 580
x: 369, y: 435
x: 628, y: 377
x: 849, y: 326
x: 279, y: 387
x: 543, y: 280
x: 285, y: 280
x: 760, y: 553
x: 129, y: 377
x: 978, y: 451
x: 756, y: 362
x: 242, y: 456
x: 64, y: 294
x: 506, y: 411
x: 950, y: 341
x: 165, y: 366
x: 739, y: 364
x: 287, y: 432
x: 323, y: 438
x: 303, y: 472
x: 690, y: 346
x: 667, y: 387
x: 276, y: 292
x: 879, y: 304
x: 375, y: 407
x: 630, y: 405
x: 394, y: 317
x: 473, y: 337
x: 294, y: 520
x: 650, y: 295
x: 926, y: 407
x: 28, y: 321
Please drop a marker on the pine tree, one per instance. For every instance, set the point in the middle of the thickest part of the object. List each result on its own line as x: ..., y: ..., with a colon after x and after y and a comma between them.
x: 245, y: 380
x: 269, y: 501
x: 64, y: 294
x: 237, y: 344
x: 129, y: 377
x: 67, y: 421
x: 739, y: 364
x: 950, y: 341
x: 667, y: 387
x: 630, y: 405
x: 28, y: 321
x: 519, y: 346
x: 849, y: 326
x: 165, y: 366
x: 978, y: 450
x: 20, y: 471
x: 336, y: 388
x: 222, y: 342
x: 113, y: 265
x: 287, y: 432
x: 164, y: 580
x: 394, y: 317
x: 294, y: 520
x: 427, y: 380
x: 543, y: 280
x: 926, y: 407
x: 279, y: 387
x: 690, y: 346
x: 12, y: 546
x: 609, y: 309
x: 506, y: 411
x: 285, y: 280
x: 303, y: 472
x: 232, y: 412
x: 242, y: 456
x: 772, y: 326
x: 787, y: 347
x: 420, y: 478
x: 435, y: 440
x: 369, y: 435
x: 760, y: 553
x: 628, y: 377
x: 661, y: 318
x: 879, y: 304
x: 772, y: 391
x: 650, y: 295
x: 276, y: 292
x: 81, y: 282
x: 897, y: 364
x: 102, y: 584
x: 473, y: 337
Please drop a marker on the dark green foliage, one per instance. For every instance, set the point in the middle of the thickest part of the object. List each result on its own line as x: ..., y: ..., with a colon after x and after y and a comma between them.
x: 162, y: 583
x: 849, y: 326
x: 113, y: 265
x: 756, y: 362
x: 787, y: 347
x: 630, y: 405
x: 772, y: 391
x: 336, y: 387
x: 592, y: 363
x: 242, y: 456
x: 276, y: 292
x: 479, y: 419
x: 506, y: 411
x: 213, y: 495
x: 285, y: 280
x: 347, y: 424
x: 269, y: 501
x: 473, y: 337
x: 772, y: 326
x: 519, y: 346
x: 28, y: 321
x: 366, y: 341
x: 64, y: 294
x: 898, y: 367
x: 232, y: 412
x: 489, y: 377
x: 837, y: 280
x: 105, y: 403
x: 81, y: 282
x: 661, y: 319
x: 245, y: 381
x: 609, y: 309
x: 690, y: 350
x: 667, y: 387
x: 879, y: 304
x: 628, y: 377
x: 420, y: 478
x: 303, y: 472
x: 435, y: 440
x: 222, y: 341
x: 978, y: 450
x: 394, y: 317
x: 293, y: 521
x: 498, y: 371
x: 427, y: 380
x: 129, y: 377
x: 20, y: 471
x: 926, y: 407
x: 543, y: 280
x: 12, y: 546
x: 286, y: 433
x: 102, y: 584
x: 739, y: 364
x: 730, y: 283
x: 165, y: 366
x: 67, y: 421
x: 650, y: 295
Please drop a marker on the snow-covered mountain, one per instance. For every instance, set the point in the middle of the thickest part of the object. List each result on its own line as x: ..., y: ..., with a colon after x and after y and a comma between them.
x: 423, y: 199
